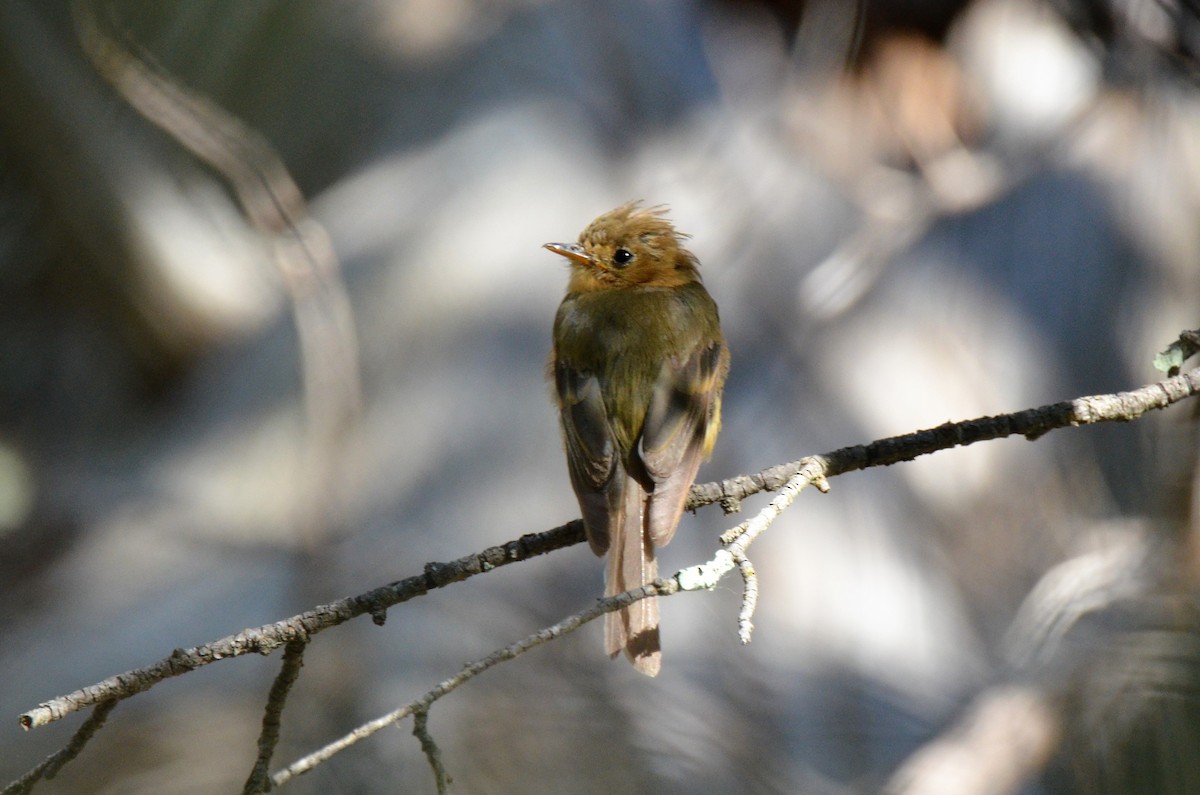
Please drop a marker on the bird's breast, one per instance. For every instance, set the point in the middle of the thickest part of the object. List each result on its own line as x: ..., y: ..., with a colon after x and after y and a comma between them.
x: 624, y: 338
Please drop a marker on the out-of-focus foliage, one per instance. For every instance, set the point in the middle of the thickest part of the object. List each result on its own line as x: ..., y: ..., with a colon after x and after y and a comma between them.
x: 908, y: 212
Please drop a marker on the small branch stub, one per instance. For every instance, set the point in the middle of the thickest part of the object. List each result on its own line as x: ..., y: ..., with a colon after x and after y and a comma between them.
x: 1171, y: 360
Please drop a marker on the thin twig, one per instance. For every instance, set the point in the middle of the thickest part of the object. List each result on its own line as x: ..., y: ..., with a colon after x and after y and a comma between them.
x: 268, y: 738
x: 53, y: 763
x: 752, y: 529
x: 738, y: 539
x: 749, y: 599
x: 432, y: 752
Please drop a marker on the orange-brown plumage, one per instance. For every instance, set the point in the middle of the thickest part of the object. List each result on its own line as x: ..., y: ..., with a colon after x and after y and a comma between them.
x: 638, y: 365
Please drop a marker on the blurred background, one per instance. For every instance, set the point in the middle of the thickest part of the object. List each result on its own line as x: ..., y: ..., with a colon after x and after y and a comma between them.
x: 216, y: 413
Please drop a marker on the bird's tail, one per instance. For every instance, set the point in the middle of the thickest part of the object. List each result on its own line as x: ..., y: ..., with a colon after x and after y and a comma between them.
x: 631, y: 564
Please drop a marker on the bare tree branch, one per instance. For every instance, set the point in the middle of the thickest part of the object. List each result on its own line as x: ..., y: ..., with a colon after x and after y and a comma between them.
x: 1030, y: 423
x: 791, y: 477
x: 1121, y: 407
x: 275, y: 206
x: 267, y: 638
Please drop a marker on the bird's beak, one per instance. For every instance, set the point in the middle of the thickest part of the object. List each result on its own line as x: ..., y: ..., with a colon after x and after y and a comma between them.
x: 572, y: 251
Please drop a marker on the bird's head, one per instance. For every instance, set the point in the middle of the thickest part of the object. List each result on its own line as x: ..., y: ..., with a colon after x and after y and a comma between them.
x: 628, y: 247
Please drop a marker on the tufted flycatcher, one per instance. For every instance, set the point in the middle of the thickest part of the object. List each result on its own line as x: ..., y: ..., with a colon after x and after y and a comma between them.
x: 638, y: 366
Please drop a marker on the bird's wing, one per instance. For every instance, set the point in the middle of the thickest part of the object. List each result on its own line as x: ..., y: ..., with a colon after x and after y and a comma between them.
x: 592, y: 459
x: 681, y: 423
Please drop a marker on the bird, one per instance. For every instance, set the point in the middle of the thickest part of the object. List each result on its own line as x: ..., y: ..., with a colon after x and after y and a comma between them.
x: 638, y: 366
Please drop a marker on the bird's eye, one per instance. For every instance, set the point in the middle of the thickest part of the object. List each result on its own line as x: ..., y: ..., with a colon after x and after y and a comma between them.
x: 622, y: 257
